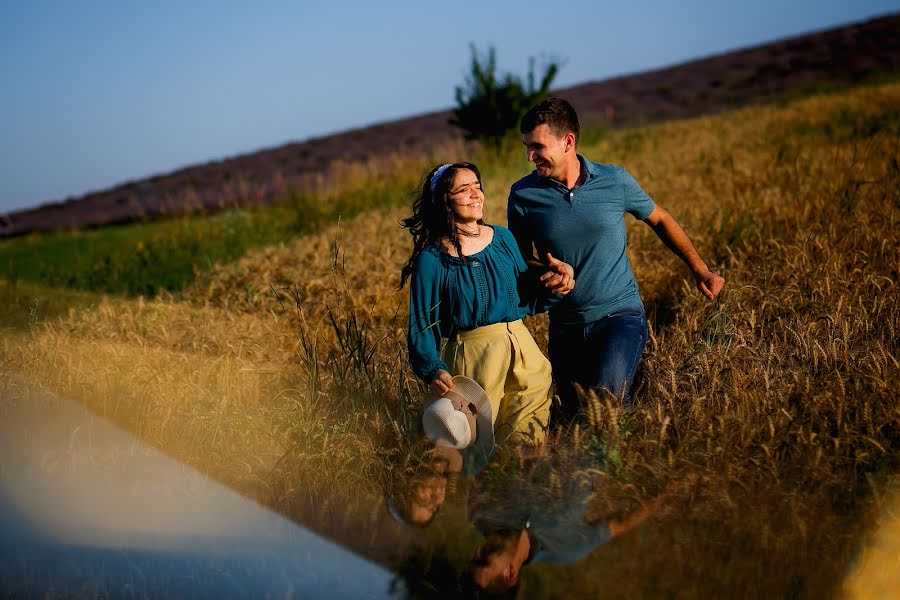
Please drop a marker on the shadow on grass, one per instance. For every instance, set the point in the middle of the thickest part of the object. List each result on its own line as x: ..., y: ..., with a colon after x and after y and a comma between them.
x: 662, y: 308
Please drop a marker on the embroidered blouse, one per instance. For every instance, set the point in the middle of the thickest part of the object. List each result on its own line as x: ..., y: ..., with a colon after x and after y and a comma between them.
x: 448, y: 294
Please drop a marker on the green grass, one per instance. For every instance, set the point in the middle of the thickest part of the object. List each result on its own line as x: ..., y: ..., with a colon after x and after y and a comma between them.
x: 139, y: 258
x: 25, y: 304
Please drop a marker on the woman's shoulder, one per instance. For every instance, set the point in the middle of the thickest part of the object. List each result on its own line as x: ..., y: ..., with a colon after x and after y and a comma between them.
x: 504, y: 236
x: 501, y: 234
x: 429, y: 258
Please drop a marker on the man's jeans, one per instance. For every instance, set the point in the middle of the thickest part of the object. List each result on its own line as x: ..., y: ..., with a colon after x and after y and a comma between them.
x: 600, y: 354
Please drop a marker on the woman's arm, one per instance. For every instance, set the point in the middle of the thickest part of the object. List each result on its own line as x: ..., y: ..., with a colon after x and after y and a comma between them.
x: 423, y: 339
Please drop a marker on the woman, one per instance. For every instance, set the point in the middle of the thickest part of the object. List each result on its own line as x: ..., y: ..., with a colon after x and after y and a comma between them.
x: 470, y: 284
x: 418, y: 488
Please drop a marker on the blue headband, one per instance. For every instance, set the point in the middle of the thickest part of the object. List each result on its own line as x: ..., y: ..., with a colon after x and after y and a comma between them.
x: 437, y: 175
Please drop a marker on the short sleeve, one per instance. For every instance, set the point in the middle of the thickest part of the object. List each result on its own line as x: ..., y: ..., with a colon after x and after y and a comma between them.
x: 515, y: 220
x: 637, y: 202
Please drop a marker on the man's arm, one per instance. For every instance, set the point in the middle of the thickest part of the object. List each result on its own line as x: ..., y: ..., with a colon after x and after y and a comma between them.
x: 619, y: 526
x: 674, y: 237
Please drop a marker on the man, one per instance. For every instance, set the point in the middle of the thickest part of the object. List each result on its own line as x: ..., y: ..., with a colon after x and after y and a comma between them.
x: 497, y: 563
x: 574, y: 208
x: 530, y: 528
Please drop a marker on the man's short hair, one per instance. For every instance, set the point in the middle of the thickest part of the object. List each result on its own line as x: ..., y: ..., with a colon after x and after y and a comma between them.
x: 555, y: 113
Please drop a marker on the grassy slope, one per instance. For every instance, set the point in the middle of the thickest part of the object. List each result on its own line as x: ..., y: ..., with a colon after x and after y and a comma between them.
x: 781, y: 396
x: 146, y: 258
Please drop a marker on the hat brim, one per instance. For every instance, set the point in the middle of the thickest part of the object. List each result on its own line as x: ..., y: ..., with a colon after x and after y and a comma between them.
x: 471, y: 392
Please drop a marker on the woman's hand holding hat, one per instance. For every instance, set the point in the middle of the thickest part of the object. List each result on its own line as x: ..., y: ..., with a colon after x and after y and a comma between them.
x: 442, y: 382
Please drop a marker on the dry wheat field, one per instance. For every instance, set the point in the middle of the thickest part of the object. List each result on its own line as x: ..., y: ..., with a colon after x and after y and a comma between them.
x: 283, y: 374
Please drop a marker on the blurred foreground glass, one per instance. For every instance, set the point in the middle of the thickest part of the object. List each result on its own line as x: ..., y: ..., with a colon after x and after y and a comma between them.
x: 87, y: 509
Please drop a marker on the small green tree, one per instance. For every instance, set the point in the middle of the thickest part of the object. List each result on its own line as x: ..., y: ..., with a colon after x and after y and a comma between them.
x: 489, y: 107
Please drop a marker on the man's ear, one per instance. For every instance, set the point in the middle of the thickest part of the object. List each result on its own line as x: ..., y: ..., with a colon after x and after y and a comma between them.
x: 511, y: 576
x: 570, y: 140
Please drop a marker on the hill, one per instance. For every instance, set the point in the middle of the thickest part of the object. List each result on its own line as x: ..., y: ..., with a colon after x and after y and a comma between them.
x: 840, y: 57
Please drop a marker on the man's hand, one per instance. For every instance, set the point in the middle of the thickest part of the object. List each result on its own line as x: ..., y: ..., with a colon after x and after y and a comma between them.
x: 674, y: 237
x: 709, y: 283
x: 442, y: 382
x: 560, y: 276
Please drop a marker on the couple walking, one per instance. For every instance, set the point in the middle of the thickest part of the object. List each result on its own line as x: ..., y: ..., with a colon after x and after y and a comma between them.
x: 564, y: 251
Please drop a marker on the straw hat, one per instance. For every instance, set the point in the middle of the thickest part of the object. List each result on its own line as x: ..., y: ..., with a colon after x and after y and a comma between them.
x: 461, y: 418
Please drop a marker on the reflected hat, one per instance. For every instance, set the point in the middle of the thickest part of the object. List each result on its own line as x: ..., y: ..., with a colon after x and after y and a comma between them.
x: 470, y: 425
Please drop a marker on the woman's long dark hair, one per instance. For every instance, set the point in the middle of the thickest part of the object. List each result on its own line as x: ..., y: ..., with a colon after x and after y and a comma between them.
x: 432, y: 217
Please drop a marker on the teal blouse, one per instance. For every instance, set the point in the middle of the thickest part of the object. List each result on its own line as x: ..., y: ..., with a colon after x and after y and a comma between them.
x: 448, y: 294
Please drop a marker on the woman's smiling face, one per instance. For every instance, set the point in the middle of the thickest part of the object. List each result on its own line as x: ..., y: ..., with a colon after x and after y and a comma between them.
x: 466, y: 197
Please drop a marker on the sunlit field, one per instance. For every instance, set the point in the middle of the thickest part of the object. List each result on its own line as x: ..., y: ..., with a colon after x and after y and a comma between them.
x: 283, y: 374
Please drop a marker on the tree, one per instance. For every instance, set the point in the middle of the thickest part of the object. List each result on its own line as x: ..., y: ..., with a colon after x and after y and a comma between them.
x: 488, y: 107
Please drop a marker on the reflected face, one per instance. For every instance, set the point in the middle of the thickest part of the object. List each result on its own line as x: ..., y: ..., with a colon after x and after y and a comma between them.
x: 496, y: 563
x: 427, y: 498
x: 465, y: 196
x: 495, y: 574
x: 546, y: 151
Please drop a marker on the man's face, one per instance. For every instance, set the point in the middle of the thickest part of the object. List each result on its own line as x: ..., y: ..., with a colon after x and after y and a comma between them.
x: 546, y: 151
x: 497, y: 574
x: 491, y: 575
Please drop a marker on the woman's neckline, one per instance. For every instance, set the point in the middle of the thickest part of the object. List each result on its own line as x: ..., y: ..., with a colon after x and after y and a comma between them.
x: 443, y: 251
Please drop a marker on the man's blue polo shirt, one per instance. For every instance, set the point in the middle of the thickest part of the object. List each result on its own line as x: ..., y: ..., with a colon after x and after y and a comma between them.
x: 585, y: 227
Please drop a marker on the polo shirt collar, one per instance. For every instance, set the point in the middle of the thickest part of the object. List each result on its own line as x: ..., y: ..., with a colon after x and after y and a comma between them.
x: 586, y: 167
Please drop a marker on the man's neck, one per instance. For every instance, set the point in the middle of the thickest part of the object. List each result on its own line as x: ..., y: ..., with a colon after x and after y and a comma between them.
x: 523, y: 547
x: 573, y: 175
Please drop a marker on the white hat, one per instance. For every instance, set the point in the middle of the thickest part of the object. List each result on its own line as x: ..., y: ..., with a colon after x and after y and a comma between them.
x: 445, y: 425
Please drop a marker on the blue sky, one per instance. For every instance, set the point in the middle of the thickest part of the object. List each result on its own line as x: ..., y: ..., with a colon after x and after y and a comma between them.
x: 97, y: 93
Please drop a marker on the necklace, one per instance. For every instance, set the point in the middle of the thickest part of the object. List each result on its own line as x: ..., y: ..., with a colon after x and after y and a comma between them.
x: 476, y: 233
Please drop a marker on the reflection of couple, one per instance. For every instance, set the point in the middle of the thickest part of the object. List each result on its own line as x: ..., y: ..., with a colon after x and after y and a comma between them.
x: 527, y: 525
x: 494, y: 526
x: 471, y: 285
